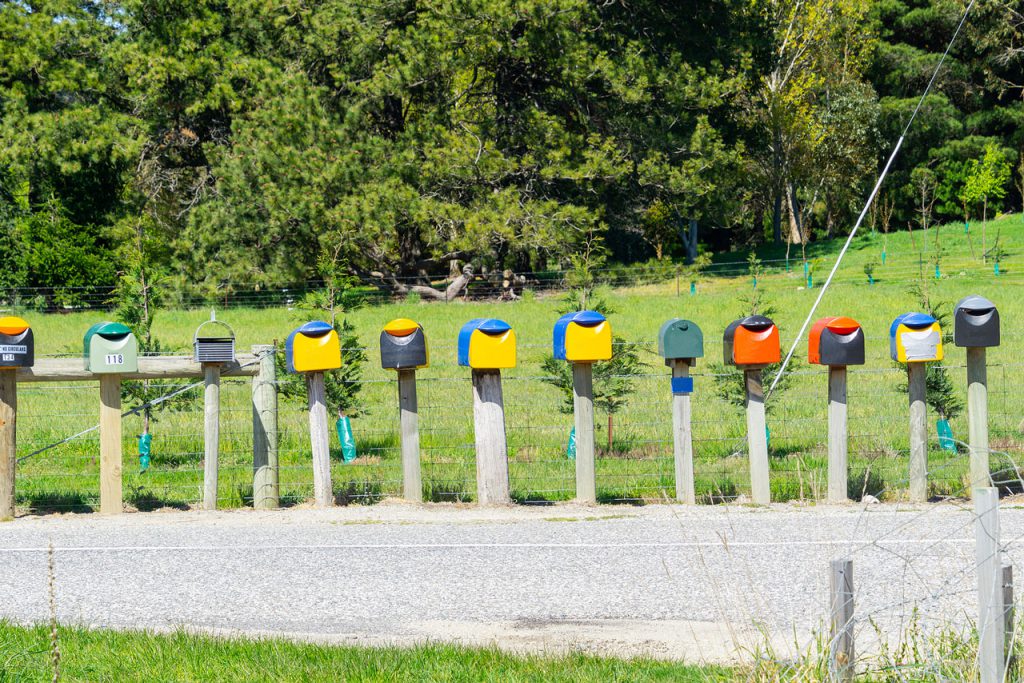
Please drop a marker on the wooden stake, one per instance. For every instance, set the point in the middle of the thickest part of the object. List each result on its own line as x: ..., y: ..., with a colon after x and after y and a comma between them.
x: 265, y: 490
x: 841, y: 644
x: 583, y: 408
x: 977, y: 417
x: 682, y: 437
x: 757, y: 438
x: 491, y: 448
x: 918, y: 432
x: 211, y: 434
x: 837, y: 435
x: 8, y: 441
x: 111, y: 502
x: 1008, y: 609
x: 409, y: 420
x: 988, y: 560
x: 318, y: 436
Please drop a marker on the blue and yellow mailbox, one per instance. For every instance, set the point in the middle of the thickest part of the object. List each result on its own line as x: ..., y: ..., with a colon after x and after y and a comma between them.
x: 487, y: 344
x: 314, y: 347
x: 403, y: 346
x: 17, y: 347
x: 915, y: 338
x: 583, y: 337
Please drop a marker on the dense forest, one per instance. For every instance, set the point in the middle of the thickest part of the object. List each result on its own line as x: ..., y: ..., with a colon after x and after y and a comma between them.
x: 219, y: 144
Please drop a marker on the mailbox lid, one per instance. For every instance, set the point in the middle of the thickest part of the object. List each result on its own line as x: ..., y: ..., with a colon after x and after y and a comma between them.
x: 313, y: 347
x: 105, y: 330
x: 17, y: 343
x: 403, y: 345
x: 680, y: 338
x: 976, y: 323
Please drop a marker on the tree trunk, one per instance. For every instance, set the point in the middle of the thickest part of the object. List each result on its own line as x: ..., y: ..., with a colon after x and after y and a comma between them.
x: 691, y: 243
x: 777, y: 216
x: 795, y: 231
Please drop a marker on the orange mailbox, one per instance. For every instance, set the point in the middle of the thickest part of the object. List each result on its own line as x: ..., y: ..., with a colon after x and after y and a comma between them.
x: 753, y: 340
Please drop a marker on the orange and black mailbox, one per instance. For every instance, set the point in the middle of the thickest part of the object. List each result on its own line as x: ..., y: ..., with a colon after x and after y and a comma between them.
x: 17, y: 350
x: 752, y: 343
x: 403, y: 348
x: 753, y: 340
x: 836, y: 342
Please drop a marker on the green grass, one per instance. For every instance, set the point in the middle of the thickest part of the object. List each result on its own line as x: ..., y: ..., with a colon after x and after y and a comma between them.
x: 638, y: 466
x: 100, y: 655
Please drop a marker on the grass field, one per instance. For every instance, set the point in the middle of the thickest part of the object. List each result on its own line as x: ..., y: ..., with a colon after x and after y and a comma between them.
x: 638, y: 465
x: 97, y: 656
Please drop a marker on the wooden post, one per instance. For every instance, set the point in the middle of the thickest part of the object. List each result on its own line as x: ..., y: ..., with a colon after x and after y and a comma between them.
x: 265, y: 491
x: 1008, y: 627
x: 977, y: 417
x: 8, y: 441
x: 409, y: 421
x: 837, y: 435
x: 110, y: 445
x: 682, y: 437
x: 757, y: 438
x: 918, y: 433
x: 318, y: 437
x: 491, y: 447
x: 841, y: 647
x: 211, y: 434
x: 583, y: 408
x: 988, y: 560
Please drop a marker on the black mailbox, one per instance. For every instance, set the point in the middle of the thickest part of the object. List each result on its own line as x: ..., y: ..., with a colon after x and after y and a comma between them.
x: 403, y: 346
x: 976, y: 323
x: 836, y: 341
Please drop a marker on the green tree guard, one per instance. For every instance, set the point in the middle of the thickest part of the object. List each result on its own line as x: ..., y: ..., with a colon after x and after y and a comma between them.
x: 345, y: 438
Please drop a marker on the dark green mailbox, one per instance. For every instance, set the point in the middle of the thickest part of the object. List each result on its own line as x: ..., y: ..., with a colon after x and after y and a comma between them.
x: 680, y: 339
x: 111, y: 348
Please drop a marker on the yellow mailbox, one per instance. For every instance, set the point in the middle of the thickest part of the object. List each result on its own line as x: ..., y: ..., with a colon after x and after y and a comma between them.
x: 583, y: 337
x: 487, y: 344
x: 314, y: 347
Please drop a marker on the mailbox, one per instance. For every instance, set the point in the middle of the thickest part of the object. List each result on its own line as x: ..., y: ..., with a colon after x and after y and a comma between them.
x: 314, y: 347
x: 975, y: 323
x: 753, y: 340
x: 836, y: 341
x: 680, y: 339
x: 915, y: 338
x: 214, y: 344
x: 487, y: 344
x: 403, y: 345
x: 583, y: 337
x: 17, y: 349
x: 111, y: 349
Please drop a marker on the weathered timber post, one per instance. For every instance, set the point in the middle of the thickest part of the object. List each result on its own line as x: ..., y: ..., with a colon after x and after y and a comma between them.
x: 211, y: 350
x: 487, y: 346
x: 17, y: 350
x: 837, y: 343
x: 265, y: 487
x: 312, y: 349
x: 681, y: 343
x: 752, y: 343
x: 976, y: 327
x: 583, y: 338
x: 991, y: 609
x: 841, y: 643
x: 403, y: 348
x: 916, y: 339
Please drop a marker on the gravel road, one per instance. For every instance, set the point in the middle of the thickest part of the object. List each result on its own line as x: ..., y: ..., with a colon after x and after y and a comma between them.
x: 698, y: 583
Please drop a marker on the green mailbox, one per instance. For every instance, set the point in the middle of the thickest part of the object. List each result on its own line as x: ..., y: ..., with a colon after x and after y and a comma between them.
x: 111, y: 349
x: 680, y: 340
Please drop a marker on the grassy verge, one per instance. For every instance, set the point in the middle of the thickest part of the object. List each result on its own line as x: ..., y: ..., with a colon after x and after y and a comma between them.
x: 99, y: 655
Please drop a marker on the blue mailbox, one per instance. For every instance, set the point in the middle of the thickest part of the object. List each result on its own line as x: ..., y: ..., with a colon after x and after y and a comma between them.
x: 487, y: 344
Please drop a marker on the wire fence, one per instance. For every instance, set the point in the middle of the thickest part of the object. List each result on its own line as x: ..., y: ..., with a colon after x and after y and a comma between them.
x: 634, y: 444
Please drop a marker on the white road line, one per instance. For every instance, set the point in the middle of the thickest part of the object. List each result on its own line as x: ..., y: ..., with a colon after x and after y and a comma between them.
x: 456, y: 546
